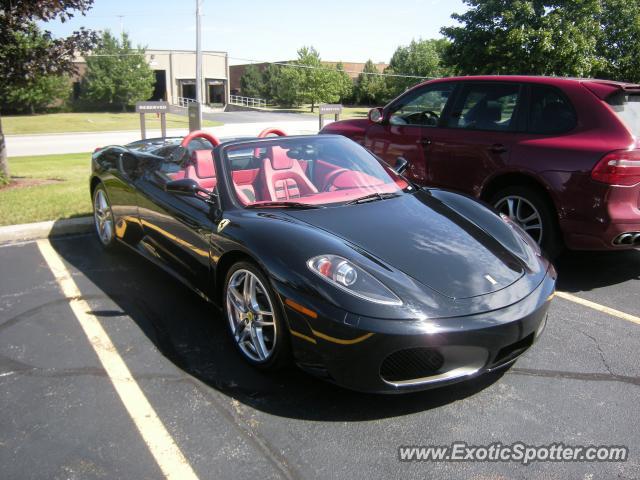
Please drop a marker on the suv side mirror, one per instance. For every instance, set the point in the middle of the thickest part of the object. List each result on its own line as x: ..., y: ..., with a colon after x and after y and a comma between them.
x: 401, y: 165
x: 376, y: 115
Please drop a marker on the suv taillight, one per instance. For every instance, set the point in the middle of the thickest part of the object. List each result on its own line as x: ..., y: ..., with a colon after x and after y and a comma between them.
x: 621, y: 167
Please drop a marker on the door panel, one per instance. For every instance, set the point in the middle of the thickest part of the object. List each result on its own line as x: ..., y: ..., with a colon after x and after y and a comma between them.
x: 177, y: 229
x: 480, y: 132
x: 408, y: 124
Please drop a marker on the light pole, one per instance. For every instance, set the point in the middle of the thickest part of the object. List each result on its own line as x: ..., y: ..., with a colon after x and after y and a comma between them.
x: 198, y: 65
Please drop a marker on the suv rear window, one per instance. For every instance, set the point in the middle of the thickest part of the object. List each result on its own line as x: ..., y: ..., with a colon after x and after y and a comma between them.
x: 627, y: 107
x: 549, y: 111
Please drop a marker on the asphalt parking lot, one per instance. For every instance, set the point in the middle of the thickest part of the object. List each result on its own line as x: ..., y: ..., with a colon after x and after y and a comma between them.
x: 62, y: 417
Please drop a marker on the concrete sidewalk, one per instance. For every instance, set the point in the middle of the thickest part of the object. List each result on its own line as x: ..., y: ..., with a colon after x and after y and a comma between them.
x: 44, y: 144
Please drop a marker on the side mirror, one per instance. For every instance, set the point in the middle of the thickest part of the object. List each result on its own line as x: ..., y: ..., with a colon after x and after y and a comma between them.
x: 183, y: 186
x: 376, y: 115
x: 401, y: 165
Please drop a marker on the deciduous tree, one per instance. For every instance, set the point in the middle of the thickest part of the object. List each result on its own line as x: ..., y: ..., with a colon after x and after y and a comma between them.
x: 19, y: 66
x: 118, y: 73
x: 252, y: 82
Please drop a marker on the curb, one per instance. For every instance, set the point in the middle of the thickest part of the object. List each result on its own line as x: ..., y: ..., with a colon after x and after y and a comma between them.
x: 53, y: 228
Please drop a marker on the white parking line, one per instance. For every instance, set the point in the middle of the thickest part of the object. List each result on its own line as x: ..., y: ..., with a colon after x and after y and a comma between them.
x: 598, y: 307
x: 166, y: 453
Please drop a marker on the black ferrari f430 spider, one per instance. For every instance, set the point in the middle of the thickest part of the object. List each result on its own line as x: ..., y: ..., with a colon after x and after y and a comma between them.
x: 320, y: 253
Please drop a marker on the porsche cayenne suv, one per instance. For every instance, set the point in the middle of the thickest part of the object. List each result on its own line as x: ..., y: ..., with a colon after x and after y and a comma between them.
x: 559, y: 156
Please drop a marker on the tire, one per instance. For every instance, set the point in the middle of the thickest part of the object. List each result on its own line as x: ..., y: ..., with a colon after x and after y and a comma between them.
x: 103, y: 219
x: 521, y: 203
x: 262, y: 339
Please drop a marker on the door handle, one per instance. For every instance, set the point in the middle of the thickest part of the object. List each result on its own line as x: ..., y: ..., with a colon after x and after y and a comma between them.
x: 425, y: 141
x: 498, y: 148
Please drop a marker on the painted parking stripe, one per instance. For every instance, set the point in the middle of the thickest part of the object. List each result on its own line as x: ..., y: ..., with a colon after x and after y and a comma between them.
x: 164, y: 449
x: 598, y: 307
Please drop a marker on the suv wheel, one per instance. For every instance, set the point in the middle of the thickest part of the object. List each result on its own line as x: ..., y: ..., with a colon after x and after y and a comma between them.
x: 531, y: 210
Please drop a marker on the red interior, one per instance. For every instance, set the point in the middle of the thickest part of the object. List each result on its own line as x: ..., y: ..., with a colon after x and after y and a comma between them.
x: 282, y: 178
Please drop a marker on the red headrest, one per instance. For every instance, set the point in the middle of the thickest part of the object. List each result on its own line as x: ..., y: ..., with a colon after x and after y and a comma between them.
x: 279, y: 159
x: 203, y: 161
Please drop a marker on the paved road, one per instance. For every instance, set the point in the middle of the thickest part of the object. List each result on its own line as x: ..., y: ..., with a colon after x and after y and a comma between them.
x: 235, y: 124
x: 62, y: 418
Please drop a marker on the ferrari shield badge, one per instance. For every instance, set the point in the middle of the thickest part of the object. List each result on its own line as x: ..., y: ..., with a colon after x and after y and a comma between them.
x: 223, y: 223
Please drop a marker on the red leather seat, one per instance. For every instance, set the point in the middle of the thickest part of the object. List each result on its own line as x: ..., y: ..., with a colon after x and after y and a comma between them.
x: 202, y: 169
x: 284, y: 178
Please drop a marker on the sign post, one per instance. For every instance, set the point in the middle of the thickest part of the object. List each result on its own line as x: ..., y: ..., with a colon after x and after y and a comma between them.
x: 329, y: 109
x: 152, y: 107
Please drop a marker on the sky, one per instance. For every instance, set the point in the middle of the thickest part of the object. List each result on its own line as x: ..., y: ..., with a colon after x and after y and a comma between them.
x: 350, y: 31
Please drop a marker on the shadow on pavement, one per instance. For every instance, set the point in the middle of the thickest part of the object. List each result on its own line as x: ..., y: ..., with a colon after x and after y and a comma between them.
x: 584, y: 271
x: 192, y: 334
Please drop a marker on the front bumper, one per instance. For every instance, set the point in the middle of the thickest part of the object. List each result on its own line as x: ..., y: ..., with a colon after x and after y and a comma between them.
x: 395, y: 356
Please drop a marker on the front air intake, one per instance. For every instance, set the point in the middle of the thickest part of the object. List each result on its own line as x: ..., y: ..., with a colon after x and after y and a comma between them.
x: 411, y: 363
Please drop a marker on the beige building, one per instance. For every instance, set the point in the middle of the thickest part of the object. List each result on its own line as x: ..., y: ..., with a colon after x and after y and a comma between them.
x: 175, y: 72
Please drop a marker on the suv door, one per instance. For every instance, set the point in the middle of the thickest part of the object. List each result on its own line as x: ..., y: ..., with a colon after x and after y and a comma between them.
x: 408, y: 124
x: 478, y: 134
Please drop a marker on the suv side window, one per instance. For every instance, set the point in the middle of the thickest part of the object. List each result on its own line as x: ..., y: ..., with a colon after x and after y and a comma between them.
x: 486, y: 106
x: 549, y: 111
x: 422, y: 107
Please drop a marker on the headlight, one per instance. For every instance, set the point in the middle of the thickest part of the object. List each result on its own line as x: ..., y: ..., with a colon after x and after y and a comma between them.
x: 352, y: 279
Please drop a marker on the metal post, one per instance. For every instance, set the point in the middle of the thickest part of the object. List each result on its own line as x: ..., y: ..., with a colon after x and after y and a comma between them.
x: 163, y: 124
x: 198, y: 64
x: 143, y: 127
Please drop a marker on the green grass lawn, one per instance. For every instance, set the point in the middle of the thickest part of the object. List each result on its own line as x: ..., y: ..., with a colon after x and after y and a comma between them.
x: 347, y: 112
x: 62, y: 193
x: 88, y: 122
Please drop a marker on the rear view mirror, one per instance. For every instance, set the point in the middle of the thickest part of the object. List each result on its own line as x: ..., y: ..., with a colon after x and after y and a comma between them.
x: 401, y: 165
x: 376, y: 115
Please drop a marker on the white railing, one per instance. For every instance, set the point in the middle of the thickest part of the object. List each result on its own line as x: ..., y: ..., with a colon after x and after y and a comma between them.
x: 247, y: 101
x: 185, y: 102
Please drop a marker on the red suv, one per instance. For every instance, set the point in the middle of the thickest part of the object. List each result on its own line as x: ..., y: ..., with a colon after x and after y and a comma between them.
x: 560, y: 156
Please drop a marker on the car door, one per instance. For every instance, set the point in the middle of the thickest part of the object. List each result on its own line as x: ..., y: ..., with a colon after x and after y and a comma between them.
x: 177, y: 228
x: 408, y: 126
x: 477, y: 135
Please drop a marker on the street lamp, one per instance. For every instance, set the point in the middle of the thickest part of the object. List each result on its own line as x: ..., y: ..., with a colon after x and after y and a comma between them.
x: 198, y: 66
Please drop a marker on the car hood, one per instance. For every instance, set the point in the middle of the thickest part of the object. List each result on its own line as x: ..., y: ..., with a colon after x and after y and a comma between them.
x: 426, y: 239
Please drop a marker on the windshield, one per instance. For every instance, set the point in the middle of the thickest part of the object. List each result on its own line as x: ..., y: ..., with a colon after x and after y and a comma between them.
x: 316, y: 171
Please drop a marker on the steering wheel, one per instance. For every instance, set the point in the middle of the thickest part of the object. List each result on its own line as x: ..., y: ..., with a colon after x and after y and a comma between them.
x: 331, y: 178
x: 199, y: 134
x: 430, y: 114
x: 269, y: 131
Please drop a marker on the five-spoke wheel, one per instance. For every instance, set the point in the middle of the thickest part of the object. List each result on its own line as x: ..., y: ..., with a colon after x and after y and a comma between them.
x: 253, y: 316
x: 103, y: 217
x: 530, y: 209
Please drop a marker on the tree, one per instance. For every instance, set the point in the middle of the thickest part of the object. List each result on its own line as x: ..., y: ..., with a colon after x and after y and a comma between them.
x: 540, y: 37
x: 345, y: 86
x: 270, y: 81
x: 421, y: 58
x: 252, y: 82
x: 370, y: 88
x: 117, y: 73
x: 318, y: 83
x: 18, y: 66
x: 618, y: 46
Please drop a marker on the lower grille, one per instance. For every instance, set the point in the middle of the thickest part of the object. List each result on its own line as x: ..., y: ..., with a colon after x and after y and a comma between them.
x: 514, y: 350
x: 410, y: 364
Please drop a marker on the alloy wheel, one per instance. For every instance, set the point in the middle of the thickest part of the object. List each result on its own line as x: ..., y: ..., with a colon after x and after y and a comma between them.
x: 103, y: 217
x: 524, y: 213
x: 251, y: 316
